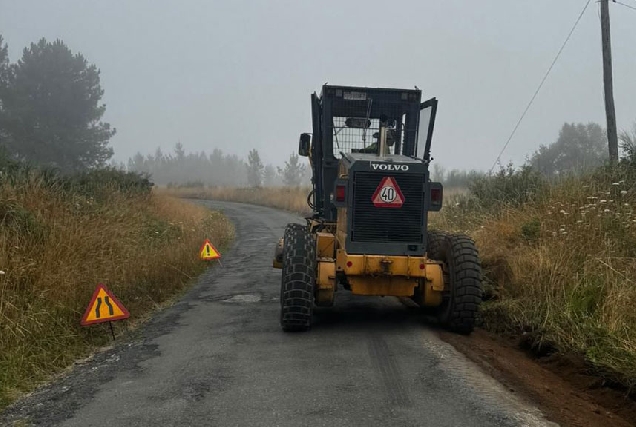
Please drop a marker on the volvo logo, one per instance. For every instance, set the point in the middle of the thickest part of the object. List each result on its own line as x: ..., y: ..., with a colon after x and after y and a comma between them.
x: 389, y: 167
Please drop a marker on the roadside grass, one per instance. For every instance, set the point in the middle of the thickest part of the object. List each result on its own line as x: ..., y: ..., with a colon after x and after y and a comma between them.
x: 59, y: 238
x: 559, y: 259
x: 561, y: 269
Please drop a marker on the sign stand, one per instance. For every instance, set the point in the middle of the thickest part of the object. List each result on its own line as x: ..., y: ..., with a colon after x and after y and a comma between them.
x: 112, y: 331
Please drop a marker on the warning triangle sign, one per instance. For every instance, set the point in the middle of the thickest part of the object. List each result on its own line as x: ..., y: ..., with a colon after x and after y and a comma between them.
x: 388, y: 194
x: 103, y: 307
x: 208, y: 251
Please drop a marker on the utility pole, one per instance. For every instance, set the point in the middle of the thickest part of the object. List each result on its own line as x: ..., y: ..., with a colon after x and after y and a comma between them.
x: 610, y: 111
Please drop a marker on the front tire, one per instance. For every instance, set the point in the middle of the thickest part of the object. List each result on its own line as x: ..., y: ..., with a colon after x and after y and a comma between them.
x: 299, y: 278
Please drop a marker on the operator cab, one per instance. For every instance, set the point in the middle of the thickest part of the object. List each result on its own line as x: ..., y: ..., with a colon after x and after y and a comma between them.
x: 355, y: 122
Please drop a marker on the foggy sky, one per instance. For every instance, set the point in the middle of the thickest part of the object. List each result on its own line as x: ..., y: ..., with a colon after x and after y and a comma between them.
x: 238, y: 74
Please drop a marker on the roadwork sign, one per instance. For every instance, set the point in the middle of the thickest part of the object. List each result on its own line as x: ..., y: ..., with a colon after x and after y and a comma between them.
x: 208, y: 252
x: 388, y: 194
x: 104, y: 307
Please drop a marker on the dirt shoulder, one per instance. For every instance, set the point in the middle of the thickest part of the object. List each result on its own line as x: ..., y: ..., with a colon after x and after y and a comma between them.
x: 560, y: 385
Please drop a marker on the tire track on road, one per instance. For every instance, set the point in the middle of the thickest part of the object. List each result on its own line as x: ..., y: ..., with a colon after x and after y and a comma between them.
x: 389, y: 371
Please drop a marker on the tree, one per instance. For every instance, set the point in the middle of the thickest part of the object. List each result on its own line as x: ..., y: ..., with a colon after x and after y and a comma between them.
x: 438, y: 173
x: 293, y: 172
x: 579, y: 147
x: 137, y: 163
x: 254, y: 169
x: 179, y: 151
x: 628, y: 145
x: 269, y: 176
x: 5, y: 76
x: 53, y: 112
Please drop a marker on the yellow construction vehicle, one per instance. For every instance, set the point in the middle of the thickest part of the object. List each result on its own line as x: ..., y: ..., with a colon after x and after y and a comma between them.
x: 370, y: 155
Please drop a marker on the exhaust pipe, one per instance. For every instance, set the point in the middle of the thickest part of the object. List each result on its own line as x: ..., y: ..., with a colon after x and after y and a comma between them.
x: 382, y: 144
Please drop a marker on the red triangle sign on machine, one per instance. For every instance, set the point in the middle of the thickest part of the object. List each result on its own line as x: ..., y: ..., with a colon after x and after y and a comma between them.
x: 388, y: 194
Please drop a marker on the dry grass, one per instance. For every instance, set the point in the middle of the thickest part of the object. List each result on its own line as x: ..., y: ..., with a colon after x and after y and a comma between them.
x: 55, y: 246
x: 562, y: 270
x: 286, y: 198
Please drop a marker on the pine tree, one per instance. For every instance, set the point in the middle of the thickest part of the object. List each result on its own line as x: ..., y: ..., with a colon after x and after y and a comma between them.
x: 269, y: 176
x: 293, y: 172
x: 52, y: 110
x: 254, y: 169
x: 5, y: 75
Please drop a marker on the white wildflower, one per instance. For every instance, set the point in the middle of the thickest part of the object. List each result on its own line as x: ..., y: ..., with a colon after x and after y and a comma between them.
x: 579, y: 221
x: 603, y: 201
x: 623, y: 192
x: 2, y: 273
x: 606, y: 211
x: 616, y: 183
x: 563, y: 212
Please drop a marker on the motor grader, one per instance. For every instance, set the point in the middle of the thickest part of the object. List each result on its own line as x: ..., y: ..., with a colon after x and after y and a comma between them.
x: 370, y: 153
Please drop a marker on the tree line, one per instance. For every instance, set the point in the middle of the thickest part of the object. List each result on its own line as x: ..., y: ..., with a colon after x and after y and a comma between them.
x: 51, y: 116
x: 579, y: 148
x: 218, y: 169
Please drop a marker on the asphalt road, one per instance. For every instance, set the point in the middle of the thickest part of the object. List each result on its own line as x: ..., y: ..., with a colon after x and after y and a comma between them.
x: 219, y: 358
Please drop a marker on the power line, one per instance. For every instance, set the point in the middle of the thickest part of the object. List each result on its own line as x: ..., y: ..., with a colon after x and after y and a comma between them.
x: 545, y: 77
x: 626, y: 5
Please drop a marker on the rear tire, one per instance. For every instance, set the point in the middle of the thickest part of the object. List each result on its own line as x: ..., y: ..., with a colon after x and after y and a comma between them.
x: 434, y: 242
x: 460, y: 307
x: 299, y: 277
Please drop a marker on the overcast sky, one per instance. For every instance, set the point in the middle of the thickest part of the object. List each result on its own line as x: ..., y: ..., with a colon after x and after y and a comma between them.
x: 238, y: 74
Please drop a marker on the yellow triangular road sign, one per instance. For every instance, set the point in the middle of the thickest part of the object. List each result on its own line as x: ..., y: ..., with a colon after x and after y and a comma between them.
x: 209, y: 252
x: 103, y: 307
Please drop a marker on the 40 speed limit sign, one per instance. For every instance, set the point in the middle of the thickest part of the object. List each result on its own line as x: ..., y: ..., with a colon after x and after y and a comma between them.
x: 388, y: 194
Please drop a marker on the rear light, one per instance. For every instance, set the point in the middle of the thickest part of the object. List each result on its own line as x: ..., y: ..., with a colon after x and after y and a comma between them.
x: 436, y: 196
x: 340, y: 193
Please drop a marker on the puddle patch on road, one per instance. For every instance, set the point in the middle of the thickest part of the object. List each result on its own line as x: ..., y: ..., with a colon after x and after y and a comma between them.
x: 241, y: 299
